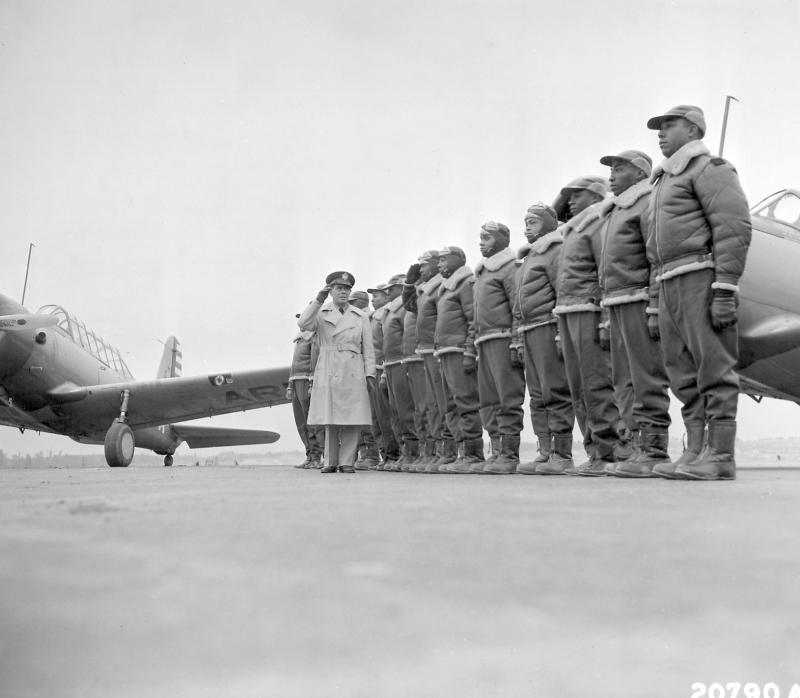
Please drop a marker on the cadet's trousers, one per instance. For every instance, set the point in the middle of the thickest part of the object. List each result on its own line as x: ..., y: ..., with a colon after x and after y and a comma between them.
x: 700, y: 361
x: 551, y: 402
x: 382, y: 418
x: 401, y: 401
x: 501, y: 388
x: 623, y: 383
x: 636, y: 357
x: 442, y: 419
x: 589, y: 376
x: 312, y: 436
x: 415, y: 370
x: 463, y: 388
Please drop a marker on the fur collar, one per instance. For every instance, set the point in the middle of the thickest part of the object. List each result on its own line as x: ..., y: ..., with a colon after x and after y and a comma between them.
x: 679, y: 161
x: 628, y: 198
x: 430, y: 285
x: 586, y: 217
x: 458, y: 276
x: 496, y: 261
x: 395, y: 304
x: 542, y: 244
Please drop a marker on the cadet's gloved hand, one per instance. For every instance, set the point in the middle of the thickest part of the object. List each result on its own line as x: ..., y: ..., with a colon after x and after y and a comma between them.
x: 723, y: 308
x: 289, y: 392
x: 371, y: 384
x: 515, y: 356
x: 323, y: 294
x: 470, y: 364
x: 413, y: 274
x: 559, y: 348
x: 652, y: 328
x: 604, y: 338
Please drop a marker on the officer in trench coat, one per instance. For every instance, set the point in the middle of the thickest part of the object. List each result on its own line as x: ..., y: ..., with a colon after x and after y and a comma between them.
x: 344, y: 373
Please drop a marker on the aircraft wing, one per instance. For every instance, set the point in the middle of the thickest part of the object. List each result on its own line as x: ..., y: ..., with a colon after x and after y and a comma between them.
x: 169, y: 400
x: 205, y: 437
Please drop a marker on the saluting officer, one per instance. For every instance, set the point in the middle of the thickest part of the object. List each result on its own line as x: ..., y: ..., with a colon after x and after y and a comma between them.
x: 699, y: 237
x: 346, y: 364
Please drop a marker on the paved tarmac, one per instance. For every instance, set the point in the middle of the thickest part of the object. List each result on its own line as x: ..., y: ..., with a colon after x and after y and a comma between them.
x: 271, y: 581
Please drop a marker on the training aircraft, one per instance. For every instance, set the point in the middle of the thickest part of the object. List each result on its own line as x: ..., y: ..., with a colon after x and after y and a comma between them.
x: 58, y: 376
x: 769, y: 310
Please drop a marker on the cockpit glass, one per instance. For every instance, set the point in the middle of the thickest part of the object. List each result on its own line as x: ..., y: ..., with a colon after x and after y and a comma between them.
x: 783, y: 208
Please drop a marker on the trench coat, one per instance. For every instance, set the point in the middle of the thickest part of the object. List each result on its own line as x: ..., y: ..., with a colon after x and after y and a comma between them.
x: 346, y: 357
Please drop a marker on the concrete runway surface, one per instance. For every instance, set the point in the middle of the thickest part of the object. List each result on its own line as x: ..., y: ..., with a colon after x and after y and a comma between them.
x: 271, y: 581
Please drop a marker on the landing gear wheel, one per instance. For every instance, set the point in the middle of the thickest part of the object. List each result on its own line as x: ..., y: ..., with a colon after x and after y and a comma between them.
x: 167, y: 461
x: 119, y: 445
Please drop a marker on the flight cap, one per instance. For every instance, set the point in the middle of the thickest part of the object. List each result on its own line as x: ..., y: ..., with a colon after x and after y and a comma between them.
x: 685, y: 111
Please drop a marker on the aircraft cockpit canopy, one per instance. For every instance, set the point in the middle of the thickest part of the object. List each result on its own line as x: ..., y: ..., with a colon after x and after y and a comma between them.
x: 783, y: 208
x: 84, y: 337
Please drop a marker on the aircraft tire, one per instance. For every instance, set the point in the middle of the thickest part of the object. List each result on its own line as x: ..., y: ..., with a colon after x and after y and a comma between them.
x: 119, y: 445
x: 167, y: 460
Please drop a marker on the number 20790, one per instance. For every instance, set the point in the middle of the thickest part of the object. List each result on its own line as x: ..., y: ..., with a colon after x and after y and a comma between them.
x: 735, y: 689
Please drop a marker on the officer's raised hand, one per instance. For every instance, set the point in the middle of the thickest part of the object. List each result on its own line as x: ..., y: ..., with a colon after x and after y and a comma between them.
x: 323, y: 294
x: 723, y: 308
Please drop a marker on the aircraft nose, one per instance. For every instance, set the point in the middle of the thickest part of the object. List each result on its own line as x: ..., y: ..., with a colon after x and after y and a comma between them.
x: 15, y: 348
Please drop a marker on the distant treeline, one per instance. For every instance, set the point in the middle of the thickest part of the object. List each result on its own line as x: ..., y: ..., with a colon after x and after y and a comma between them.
x: 50, y: 459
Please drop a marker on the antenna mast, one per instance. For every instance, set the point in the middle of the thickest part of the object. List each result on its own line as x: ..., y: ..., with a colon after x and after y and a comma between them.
x: 27, y: 269
x: 728, y: 99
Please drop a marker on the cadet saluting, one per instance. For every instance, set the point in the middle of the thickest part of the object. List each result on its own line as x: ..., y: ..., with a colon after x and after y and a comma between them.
x: 346, y: 364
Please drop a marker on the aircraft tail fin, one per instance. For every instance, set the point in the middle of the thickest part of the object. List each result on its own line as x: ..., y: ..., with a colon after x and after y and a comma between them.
x: 171, y: 359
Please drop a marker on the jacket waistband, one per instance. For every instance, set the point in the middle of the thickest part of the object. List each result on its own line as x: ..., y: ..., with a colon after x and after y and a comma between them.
x: 685, y: 265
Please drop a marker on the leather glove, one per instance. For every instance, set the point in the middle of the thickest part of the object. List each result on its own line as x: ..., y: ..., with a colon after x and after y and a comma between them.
x: 384, y: 380
x: 515, y: 356
x: 323, y: 294
x: 604, y: 338
x: 371, y: 384
x: 652, y: 328
x: 723, y: 308
x: 470, y: 364
x: 289, y: 392
x: 559, y: 348
x: 413, y: 274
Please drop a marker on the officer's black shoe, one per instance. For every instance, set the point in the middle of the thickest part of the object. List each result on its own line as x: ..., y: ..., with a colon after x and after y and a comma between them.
x: 328, y: 469
x: 347, y: 469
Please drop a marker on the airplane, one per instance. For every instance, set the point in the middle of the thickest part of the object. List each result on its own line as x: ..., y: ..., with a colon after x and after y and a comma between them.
x: 769, y: 299
x: 58, y: 376
x: 769, y: 305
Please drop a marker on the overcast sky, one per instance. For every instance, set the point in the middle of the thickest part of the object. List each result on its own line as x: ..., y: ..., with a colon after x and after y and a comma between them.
x: 196, y: 168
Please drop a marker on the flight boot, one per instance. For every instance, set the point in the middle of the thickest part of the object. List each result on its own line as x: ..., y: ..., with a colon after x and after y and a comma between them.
x: 305, y: 465
x: 473, y: 460
x: 651, y: 451
x: 448, y: 455
x: 545, y: 449
x: 717, y: 461
x: 695, y: 441
x: 495, y: 447
x: 411, y: 454
x: 508, y: 460
x: 560, y: 461
x: 427, y: 456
